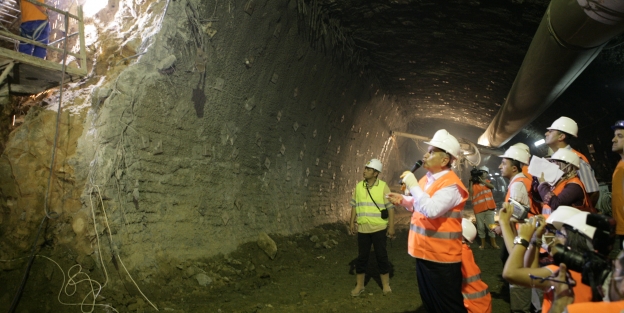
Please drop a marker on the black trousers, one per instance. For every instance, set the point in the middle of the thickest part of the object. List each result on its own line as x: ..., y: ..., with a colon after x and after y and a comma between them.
x: 378, y: 240
x: 440, y: 286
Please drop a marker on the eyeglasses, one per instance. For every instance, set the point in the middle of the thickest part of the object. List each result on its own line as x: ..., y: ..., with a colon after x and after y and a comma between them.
x: 568, y: 282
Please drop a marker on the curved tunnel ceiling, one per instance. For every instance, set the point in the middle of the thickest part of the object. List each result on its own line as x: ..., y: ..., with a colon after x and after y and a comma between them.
x: 456, y: 60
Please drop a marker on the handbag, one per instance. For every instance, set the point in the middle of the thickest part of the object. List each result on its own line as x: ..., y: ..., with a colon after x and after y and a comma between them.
x: 384, y: 212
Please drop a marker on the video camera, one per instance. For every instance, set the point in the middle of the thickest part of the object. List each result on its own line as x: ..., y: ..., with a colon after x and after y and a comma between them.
x: 594, y: 266
x: 475, y: 175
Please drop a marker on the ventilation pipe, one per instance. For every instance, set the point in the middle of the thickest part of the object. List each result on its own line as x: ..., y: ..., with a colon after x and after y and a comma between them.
x: 570, y: 36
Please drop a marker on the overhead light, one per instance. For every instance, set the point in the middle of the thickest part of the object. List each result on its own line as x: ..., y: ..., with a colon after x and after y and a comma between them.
x: 496, y: 174
x: 540, y: 142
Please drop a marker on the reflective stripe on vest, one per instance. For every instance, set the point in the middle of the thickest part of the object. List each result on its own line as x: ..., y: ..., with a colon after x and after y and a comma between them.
x: 438, y: 239
x: 476, y: 295
x: 471, y: 279
x: 435, y: 234
x: 366, y: 211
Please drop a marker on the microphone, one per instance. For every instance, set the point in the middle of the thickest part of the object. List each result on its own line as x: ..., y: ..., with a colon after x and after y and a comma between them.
x: 416, y: 166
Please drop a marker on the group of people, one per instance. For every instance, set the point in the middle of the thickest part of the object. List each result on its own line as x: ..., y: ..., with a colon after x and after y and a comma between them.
x: 557, y: 226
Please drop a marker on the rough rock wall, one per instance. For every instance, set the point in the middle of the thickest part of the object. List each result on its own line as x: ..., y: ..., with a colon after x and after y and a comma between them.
x: 228, y: 125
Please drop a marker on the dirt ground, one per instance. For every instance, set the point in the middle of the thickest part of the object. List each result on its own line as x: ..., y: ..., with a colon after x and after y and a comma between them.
x: 310, y: 273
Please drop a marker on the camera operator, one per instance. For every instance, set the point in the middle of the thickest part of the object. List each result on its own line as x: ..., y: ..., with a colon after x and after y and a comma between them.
x: 480, y: 191
x: 572, y: 236
x: 614, y: 297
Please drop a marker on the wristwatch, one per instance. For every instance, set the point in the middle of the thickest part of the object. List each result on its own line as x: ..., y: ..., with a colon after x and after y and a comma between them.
x: 520, y: 241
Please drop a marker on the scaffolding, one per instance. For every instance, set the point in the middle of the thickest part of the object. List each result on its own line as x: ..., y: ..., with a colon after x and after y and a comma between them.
x: 27, y: 74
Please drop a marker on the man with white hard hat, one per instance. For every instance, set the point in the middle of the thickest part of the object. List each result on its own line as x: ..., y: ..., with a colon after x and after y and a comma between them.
x: 558, y: 136
x: 435, y: 231
x: 375, y: 222
x: 512, y: 162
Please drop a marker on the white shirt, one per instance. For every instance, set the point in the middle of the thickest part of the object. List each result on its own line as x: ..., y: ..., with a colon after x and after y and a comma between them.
x: 517, y: 190
x: 435, y: 206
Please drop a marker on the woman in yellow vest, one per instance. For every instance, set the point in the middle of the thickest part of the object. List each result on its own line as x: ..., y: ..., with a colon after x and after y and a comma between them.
x: 369, y: 205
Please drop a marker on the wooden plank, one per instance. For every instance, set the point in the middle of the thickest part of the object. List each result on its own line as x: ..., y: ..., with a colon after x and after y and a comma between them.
x: 6, y: 72
x: 36, y: 43
x: 52, y: 8
x: 25, y: 89
x: 41, y: 62
x: 83, y: 47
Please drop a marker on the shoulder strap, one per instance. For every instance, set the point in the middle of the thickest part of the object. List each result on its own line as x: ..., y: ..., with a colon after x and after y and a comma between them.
x: 369, y: 194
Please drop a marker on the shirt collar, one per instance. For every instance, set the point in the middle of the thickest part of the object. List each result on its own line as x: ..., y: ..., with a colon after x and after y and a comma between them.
x: 434, y: 177
x: 517, y: 175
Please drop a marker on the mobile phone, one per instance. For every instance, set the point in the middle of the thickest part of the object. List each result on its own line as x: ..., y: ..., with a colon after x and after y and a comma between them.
x: 520, y: 211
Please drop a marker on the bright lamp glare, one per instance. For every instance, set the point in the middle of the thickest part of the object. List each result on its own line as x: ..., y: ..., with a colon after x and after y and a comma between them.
x: 92, y: 7
x: 496, y: 174
x: 539, y: 142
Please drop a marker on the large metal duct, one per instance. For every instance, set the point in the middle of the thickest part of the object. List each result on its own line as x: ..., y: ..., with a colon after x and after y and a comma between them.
x: 570, y: 36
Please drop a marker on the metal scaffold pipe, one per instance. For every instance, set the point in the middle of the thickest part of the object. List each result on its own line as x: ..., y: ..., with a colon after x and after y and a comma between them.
x: 569, y: 37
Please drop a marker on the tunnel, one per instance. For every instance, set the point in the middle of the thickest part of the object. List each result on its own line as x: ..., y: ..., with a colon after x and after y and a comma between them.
x: 205, y: 129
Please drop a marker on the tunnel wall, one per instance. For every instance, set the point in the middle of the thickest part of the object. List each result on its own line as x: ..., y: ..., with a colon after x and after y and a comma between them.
x: 229, y: 125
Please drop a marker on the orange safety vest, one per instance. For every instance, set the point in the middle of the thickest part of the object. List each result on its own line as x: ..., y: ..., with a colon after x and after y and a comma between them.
x: 580, y: 155
x: 617, y: 198
x: 31, y: 12
x: 438, y: 239
x: 535, y: 207
x: 582, y: 292
x: 483, y: 198
x: 546, y: 210
x: 602, y: 307
x: 477, y: 298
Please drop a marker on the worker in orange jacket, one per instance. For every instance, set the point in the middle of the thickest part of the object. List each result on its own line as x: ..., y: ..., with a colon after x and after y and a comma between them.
x: 437, y: 201
x: 34, y: 26
x: 477, y: 298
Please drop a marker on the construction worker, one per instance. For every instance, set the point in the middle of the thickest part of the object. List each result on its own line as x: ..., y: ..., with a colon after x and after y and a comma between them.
x: 435, y: 231
x: 557, y: 136
x: 370, y: 206
x: 573, y: 234
x: 34, y: 26
x: 519, y: 189
x: 568, y: 190
x: 617, y: 187
x: 564, y: 300
x: 480, y: 190
x: 477, y: 298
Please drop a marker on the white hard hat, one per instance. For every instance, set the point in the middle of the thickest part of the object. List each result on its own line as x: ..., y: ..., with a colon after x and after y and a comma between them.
x: 567, y: 156
x: 562, y: 213
x: 375, y: 164
x: 445, y: 141
x: 484, y: 168
x: 469, y: 231
x: 579, y: 223
x: 566, y: 125
x: 518, y: 154
x: 522, y: 146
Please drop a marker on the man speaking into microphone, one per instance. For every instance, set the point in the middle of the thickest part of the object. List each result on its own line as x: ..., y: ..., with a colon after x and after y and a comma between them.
x: 435, y: 236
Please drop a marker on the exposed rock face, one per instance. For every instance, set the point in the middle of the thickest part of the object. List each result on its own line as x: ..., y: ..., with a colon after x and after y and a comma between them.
x: 229, y: 125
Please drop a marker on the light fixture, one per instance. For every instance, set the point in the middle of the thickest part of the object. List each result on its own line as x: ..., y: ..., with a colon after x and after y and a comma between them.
x: 539, y: 142
x: 496, y: 174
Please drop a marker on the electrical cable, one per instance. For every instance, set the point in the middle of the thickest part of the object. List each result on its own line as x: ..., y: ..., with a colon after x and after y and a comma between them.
x: 20, y: 289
